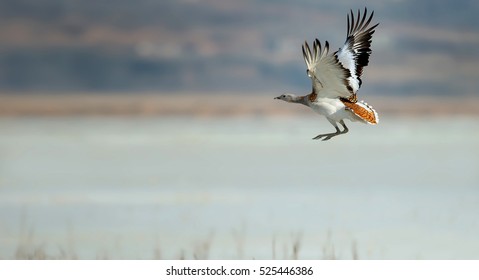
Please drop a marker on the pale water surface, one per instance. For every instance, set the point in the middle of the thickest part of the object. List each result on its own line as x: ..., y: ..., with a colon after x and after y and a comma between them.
x: 239, y: 188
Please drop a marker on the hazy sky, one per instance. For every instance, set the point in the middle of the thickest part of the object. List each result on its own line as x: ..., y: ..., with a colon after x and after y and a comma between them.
x: 426, y: 47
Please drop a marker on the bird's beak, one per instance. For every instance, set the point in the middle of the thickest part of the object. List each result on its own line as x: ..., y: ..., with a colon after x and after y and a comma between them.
x: 276, y: 97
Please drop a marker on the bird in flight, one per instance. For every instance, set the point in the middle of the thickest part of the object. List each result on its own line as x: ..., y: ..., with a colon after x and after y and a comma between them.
x: 336, y: 77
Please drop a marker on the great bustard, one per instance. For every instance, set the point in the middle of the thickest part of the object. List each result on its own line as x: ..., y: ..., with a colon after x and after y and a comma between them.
x: 336, y: 77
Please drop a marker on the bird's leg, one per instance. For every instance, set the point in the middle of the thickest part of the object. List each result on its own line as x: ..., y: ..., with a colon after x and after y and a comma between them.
x: 328, y: 136
x: 345, y: 127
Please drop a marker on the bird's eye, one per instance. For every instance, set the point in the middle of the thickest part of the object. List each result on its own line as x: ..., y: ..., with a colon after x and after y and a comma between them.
x: 283, y: 96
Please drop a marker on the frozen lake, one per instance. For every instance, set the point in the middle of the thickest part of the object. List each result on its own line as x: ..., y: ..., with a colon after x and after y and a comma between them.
x: 239, y: 188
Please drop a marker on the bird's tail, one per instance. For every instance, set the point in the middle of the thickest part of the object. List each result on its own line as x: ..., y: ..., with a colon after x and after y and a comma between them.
x: 362, y: 110
x: 371, y: 117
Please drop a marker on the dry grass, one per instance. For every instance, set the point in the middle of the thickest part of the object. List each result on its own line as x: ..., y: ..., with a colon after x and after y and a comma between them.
x: 30, y: 249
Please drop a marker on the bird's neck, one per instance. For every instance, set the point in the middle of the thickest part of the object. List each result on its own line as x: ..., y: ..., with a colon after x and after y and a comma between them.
x: 299, y: 100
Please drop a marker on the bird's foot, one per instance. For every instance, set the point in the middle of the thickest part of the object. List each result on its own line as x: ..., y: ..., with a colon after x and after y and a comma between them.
x: 326, y: 136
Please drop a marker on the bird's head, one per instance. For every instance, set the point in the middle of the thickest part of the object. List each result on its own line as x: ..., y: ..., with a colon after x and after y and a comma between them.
x: 286, y: 97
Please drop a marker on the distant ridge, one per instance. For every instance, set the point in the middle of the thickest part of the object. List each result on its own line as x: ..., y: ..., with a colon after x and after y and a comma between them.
x: 216, y: 45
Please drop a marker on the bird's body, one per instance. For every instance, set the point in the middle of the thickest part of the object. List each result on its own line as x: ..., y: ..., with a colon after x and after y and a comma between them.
x: 336, y: 78
x: 338, y: 109
x: 331, y: 108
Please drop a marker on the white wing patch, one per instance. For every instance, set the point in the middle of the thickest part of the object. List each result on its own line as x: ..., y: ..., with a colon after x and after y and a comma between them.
x: 354, y: 55
x: 346, y: 59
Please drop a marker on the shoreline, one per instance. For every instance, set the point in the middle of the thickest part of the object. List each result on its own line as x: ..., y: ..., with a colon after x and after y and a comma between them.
x: 229, y: 104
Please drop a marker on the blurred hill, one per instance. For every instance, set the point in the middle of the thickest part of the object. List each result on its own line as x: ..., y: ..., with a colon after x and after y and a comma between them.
x: 420, y: 47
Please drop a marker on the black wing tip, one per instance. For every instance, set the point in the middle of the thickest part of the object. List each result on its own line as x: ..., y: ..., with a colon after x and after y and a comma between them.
x: 317, y: 47
x: 359, y: 38
x: 306, y: 47
x: 359, y: 22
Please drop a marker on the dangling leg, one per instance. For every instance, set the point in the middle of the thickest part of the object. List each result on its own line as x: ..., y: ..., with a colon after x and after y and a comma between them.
x: 328, y: 136
x: 345, y: 127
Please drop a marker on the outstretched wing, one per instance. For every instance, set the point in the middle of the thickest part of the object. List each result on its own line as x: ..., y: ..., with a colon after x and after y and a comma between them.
x: 354, y: 55
x: 328, y: 76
